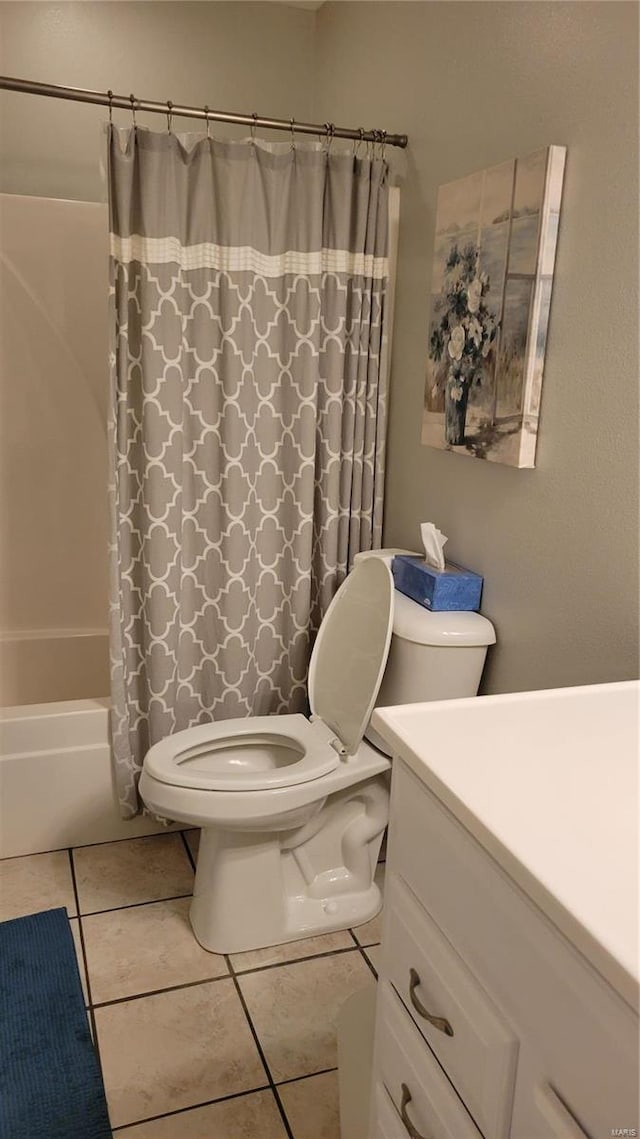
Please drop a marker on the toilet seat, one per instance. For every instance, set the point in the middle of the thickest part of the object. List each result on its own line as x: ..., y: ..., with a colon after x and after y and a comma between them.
x: 253, y: 754
x: 262, y: 753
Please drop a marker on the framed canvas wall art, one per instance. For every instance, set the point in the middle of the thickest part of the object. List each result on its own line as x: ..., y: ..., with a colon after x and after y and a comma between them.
x: 496, y: 236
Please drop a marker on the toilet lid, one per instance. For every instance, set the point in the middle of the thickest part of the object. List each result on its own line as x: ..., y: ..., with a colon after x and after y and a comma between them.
x: 350, y: 653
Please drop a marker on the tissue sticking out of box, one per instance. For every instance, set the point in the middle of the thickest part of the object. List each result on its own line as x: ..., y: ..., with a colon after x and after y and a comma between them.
x: 433, y: 541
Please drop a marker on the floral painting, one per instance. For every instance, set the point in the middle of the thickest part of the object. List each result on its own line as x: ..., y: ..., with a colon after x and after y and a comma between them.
x: 496, y: 235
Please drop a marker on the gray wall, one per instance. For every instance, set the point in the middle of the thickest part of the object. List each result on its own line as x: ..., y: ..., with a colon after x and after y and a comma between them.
x: 474, y: 84
x: 242, y: 57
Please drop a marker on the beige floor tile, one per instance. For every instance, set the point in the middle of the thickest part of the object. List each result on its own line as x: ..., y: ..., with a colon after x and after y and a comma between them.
x: 373, y: 953
x: 136, y: 950
x: 294, y: 1009
x: 134, y: 870
x: 193, y: 842
x: 312, y: 1107
x: 34, y: 883
x: 175, y: 1050
x: 75, y: 929
x: 291, y: 951
x: 254, y: 1116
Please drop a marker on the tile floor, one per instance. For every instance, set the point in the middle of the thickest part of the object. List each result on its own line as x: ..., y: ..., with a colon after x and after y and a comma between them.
x: 193, y: 1044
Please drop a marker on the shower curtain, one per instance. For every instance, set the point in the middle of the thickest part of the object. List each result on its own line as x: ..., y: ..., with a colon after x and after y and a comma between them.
x: 247, y: 420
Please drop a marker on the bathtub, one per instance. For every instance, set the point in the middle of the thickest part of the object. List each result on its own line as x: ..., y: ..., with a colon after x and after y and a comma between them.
x: 55, y: 779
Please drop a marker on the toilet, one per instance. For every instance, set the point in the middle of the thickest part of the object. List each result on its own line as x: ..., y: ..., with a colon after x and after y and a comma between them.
x: 293, y: 809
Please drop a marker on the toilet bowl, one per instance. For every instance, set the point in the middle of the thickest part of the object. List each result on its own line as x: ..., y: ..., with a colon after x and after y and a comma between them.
x: 293, y: 810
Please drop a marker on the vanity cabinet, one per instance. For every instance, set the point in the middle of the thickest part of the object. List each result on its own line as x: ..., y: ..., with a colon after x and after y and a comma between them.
x: 490, y: 1023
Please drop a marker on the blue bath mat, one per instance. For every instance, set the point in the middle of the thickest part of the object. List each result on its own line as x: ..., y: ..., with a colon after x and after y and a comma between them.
x: 50, y: 1081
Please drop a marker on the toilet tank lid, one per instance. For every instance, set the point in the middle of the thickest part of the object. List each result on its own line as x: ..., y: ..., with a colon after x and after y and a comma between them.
x: 412, y: 622
x: 386, y: 555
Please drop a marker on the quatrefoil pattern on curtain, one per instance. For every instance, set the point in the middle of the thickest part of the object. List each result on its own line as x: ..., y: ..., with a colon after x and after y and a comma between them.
x: 247, y: 422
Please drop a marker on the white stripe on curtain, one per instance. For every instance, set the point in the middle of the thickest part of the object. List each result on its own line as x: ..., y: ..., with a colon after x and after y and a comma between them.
x: 206, y: 255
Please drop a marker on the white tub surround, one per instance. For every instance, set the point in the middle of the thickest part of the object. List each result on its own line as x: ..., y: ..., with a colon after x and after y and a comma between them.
x: 55, y: 779
x: 511, y: 917
x: 52, y: 665
x: 54, y: 393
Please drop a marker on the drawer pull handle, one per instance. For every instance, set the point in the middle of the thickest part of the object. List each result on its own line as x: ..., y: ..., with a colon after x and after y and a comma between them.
x: 406, y: 1099
x: 439, y: 1022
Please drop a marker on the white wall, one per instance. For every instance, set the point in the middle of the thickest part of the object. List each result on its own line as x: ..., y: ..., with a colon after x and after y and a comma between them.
x: 474, y: 84
x: 241, y: 57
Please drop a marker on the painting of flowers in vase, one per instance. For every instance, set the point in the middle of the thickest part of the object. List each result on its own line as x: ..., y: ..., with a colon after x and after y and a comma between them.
x: 496, y: 236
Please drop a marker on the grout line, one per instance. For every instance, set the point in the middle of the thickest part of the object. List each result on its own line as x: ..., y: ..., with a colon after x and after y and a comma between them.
x: 81, y: 846
x: 188, y: 850
x: 111, y: 841
x: 309, y: 1076
x: 90, y: 1012
x: 283, y: 1114
x: 220, y: 976
x: 133, y: 905
x: 192, y: 1107
x: 366, y: 944
x: 222, y: 1099
x: 158, y: 992
x: 367, y: 961
x: 294, y: 960
x: 223, y: 976
x: 258, y: 1045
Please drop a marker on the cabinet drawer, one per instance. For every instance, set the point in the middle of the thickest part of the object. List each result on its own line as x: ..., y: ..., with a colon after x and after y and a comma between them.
x: 385, y: 1121
x: 420, y: 1091
x: 475, y: 1046
x: 548, y: 1117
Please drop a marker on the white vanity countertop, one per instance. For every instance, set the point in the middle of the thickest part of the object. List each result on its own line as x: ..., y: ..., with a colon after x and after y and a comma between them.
x: 547, y: 782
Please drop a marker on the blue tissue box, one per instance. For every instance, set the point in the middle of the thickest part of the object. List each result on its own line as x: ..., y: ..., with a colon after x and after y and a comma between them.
x: 438, y: 590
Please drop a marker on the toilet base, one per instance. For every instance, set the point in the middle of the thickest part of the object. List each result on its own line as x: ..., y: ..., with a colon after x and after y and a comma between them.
x: 306, y: 917
x: 255, y: 890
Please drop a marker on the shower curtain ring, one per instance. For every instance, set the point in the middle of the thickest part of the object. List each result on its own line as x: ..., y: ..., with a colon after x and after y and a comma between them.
x: 293, y: 134
x: 329, y: 131
x: 254, y: 116
x: 206, y: 119
x: 357, y: 142
x: 169, y: 114
x: 132, y: 100
x: 110, y: 97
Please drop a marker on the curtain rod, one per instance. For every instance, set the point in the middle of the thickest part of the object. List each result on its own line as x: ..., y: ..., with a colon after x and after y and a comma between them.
x: 131, y: 103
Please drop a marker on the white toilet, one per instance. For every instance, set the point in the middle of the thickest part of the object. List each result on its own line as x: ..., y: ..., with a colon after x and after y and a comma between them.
x: 293, y: 810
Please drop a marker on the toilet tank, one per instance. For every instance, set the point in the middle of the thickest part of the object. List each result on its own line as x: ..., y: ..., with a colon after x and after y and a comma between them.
x: 433, y: 656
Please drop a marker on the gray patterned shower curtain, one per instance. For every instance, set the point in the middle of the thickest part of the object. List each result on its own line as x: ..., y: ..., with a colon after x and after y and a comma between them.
x: 248, y: 288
